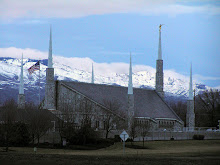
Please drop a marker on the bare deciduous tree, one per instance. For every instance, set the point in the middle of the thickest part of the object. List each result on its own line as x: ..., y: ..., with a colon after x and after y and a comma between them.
x: 210, y: 101
x: 180, y: 108
x: 9, y: 117
x: 39, y: 121
x: 111, y: 118
x: 143, y: 128
x: 133, y: 132
x: 86, y: 132
x: 65, y: 122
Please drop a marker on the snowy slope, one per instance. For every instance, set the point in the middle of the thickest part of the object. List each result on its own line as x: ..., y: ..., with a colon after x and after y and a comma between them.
x: 79, y: 69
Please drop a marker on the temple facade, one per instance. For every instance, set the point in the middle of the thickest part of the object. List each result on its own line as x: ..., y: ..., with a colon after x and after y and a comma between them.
x: 108, y: 106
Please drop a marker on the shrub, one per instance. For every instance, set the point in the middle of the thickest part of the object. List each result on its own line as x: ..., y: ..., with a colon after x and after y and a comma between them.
x: 117, y: 138
x: 84, y: 135
x: 19, y: 135
x: 100, y: 143
x: 129, y: 140
x: 198, y: 137
x: 106, y: 142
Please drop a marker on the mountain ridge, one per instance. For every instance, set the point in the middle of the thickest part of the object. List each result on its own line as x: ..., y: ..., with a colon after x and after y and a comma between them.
x: 175, y: 84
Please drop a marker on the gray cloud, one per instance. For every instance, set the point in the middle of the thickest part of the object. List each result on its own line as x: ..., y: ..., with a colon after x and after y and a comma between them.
x: 14, y: 9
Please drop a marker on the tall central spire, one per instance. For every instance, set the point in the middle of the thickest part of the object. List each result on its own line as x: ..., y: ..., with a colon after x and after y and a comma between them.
x: 159, y: 68
x: 130, y: 85
x: 50, y: 58
x: 190, y: 84
x: 21, y: 87
x: 92, y: 81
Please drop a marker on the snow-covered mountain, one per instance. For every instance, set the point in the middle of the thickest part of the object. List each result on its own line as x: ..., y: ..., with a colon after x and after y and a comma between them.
x: 79, y: 69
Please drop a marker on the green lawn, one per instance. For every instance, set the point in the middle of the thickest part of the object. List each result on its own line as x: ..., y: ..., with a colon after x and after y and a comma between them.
x: 157, y: 152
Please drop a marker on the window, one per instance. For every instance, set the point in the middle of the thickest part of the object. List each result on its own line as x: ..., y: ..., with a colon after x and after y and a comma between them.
x: 104, y: 124
x: 97, y: 124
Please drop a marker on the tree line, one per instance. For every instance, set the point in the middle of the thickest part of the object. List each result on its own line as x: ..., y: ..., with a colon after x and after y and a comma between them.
x: 19, y: 127
x: 206, y: 108
x: 22, y: 127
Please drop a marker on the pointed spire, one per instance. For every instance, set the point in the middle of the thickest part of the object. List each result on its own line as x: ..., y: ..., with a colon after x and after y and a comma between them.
x: 21, y: 87
x: 130, y: 85
x: 50, y: 58
x: 190, y: 84
x: 92, y: 81
x: 159, y: 46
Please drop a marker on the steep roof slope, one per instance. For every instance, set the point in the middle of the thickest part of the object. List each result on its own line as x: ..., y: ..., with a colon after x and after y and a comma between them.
x: 147, y: 102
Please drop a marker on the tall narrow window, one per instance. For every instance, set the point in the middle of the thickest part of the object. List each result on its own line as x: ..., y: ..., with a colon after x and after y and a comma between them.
x: 97, y: 124
x: 104, y: 124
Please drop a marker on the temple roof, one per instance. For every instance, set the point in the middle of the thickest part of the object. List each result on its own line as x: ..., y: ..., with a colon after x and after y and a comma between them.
x: 147, y: 103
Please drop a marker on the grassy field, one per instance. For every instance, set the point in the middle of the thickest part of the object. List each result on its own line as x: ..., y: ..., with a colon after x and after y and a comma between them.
x: 157, y: 152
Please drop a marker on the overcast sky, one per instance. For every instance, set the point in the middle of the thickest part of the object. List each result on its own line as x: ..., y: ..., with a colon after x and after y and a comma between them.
x: 107, y: 30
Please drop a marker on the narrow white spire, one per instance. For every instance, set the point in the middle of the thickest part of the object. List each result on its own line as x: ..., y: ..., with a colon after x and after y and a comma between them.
x: 21, y: 87
x: 92, y: 81
x: 50, y: 58
x: 190, y: 84
x: 130, y: 85
x: 159, y: 45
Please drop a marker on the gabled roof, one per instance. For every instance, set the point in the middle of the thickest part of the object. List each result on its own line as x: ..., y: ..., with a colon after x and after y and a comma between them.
x: 147, y: 102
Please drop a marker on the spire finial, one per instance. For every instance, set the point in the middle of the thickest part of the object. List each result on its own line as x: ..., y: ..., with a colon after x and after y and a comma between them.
x: 160, y: 27
x: 21, y: 87
x: 50, y: 58
x: 130, y: 85
x: 92, y: 81
x: 159, y: 46
x: 190, y: 84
